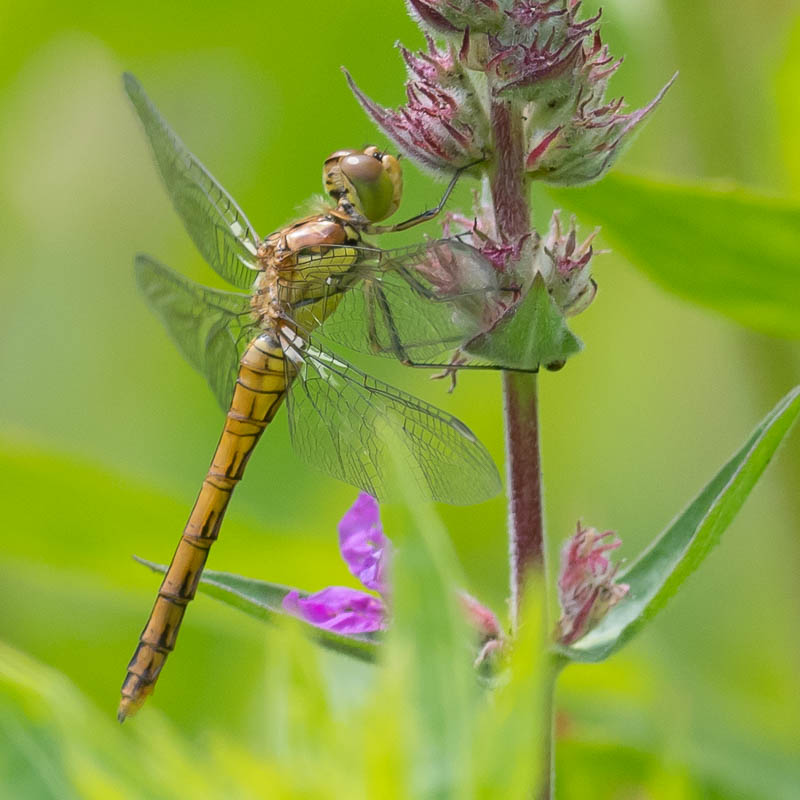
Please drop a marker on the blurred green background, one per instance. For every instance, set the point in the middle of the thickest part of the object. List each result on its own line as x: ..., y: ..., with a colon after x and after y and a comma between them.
x: 106, y: 433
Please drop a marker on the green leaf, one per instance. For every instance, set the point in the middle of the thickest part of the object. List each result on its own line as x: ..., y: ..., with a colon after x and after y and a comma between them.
x: 262, y: 600
x: 656, y: 575
x: 534, y: 333
x: 788, y: 105
x: 429, y: 648
x: 726, y: 248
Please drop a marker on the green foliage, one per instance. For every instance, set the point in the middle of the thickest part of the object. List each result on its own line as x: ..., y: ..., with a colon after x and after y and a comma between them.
x: 56, y: 745
x: 729, y: 249
x: 535, y: 334
x: 262, y: 600
x: 109, y: 432
x: 788, y: 103
x: 421, y: 725
x: 658, y: 573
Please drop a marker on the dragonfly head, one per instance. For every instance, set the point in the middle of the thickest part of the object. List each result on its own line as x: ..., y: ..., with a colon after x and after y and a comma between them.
x: 364, y: 183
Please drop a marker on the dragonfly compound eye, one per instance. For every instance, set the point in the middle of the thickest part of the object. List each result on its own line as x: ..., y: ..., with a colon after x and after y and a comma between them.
x: 374, y: 184
x: 332, y: 174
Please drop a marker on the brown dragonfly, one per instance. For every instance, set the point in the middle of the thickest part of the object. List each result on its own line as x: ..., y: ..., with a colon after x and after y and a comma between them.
x: 258, y: 348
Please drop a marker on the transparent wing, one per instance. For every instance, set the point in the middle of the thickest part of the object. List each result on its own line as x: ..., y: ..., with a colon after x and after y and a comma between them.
x: 211, y: 328
x: 339, y: 418
x: 415, y: 304
x: 218, y: 227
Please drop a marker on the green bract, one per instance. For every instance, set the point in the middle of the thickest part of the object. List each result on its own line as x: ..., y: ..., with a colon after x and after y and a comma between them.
x: 534, y: 333
x: 658, y: 573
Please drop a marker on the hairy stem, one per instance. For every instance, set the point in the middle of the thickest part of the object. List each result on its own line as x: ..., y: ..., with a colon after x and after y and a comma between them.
x: 508, y: 182
x: 524, y: 468
x: 512, y: 220
x: 526, y: 545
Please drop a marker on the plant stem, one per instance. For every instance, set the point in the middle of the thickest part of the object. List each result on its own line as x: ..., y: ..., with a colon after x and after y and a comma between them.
x: 508, y: 181
x: 524, y: 470
x: 526, y: 544
x: 547, y: 787
x: 512, y: 221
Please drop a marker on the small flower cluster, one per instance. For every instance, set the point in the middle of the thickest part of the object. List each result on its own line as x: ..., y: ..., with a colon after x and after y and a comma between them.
x: 563, y: 263
x: 565, y: 266
x: 586, y: 587
x: 537, y: 64
x: 443, y: 126
x: 537, y: 55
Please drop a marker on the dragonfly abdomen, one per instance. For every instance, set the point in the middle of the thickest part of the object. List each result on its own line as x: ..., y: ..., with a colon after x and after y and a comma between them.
x: 260, y: 388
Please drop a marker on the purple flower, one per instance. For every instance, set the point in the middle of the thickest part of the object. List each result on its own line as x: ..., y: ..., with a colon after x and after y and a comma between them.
x: 367, y: 553
x: 339, y: 609
x: 586, y: 586
x: 364, y: 547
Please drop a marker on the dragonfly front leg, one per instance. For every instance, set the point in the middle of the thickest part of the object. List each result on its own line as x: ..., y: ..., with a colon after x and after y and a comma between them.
x: 425, y: 216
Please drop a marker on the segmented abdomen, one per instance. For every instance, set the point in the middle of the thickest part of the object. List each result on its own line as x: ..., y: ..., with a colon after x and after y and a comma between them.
x: 261, y: 386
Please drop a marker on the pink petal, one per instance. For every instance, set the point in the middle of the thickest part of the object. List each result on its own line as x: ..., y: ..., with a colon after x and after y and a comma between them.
x: 339, y: 609
x: 479, y: 617
x: 364, y: 547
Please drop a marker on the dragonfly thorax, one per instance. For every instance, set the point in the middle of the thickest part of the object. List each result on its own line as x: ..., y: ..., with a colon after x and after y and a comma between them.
x: 299, y: 265
x: 366, y: 184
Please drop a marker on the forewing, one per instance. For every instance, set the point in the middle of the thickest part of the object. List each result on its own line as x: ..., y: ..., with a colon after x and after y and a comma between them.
x: 211, y: 328
x: 218, y: 227
x: 339, y: 416
x: 415, y: 304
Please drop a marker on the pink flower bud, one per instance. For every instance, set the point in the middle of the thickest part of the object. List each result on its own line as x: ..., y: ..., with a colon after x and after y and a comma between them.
x: 485, y: 623
x: 447, y: 17
x: 443, y: 126
x: 586, y: 587
x: 482, y: 619
x: 583, y: 149
x: 565, y: 266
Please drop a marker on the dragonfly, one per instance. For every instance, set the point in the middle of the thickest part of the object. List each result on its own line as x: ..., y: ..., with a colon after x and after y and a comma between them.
x: 258, y: 347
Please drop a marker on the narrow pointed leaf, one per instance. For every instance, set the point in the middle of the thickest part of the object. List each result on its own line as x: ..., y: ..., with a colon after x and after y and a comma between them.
x: 262, y: 600
x: 535, y: 333
x: 429, y: 647
x: 726, y: 248
x: 658, y: 573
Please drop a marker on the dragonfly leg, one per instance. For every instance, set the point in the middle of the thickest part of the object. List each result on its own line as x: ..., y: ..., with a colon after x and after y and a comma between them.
x: 372, y: 323
x: 425, y: 216
x: 395, y: 345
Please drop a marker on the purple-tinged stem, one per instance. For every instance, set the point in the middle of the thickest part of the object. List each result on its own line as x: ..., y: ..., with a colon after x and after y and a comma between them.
x: 524, y: 470
x: 508, y: 182
x: 512, y: 218
x: 509, y: 188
